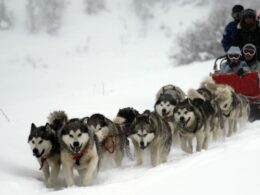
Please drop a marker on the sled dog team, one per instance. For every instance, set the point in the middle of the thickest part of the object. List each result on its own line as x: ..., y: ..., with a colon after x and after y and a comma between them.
x: 84, y: 144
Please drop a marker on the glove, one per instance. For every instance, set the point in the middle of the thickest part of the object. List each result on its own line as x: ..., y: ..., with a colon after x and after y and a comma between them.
x: 240, y: 72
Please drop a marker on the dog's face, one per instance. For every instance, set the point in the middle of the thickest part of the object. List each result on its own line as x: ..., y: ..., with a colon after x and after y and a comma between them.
x: 165, y: 105
x: 224, y: 99
x: 99, y: 124
x: 40, y: 140
x: 143, y: 131
x: 184, y: 114
x: 75, y: 135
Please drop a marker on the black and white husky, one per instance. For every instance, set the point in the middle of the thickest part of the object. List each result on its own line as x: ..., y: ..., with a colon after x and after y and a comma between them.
x: 45, y: 146
x: 112, y: 138
x: 79, y: 150
x: 149, y: 131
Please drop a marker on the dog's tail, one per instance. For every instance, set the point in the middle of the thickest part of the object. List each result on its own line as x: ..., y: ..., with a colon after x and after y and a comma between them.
x: 119, y: 120
x: 194, y: 94
x: 57, y: 119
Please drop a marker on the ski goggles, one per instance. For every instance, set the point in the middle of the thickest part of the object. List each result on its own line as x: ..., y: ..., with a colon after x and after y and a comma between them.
x: 233, y: 56
x: 250, y: 52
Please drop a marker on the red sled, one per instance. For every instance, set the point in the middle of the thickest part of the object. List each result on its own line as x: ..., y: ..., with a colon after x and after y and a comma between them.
x: 247, y: 85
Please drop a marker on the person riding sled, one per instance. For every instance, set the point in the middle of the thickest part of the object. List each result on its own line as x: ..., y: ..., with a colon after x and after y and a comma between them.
x: 249, y: 55
x: 234, y: 62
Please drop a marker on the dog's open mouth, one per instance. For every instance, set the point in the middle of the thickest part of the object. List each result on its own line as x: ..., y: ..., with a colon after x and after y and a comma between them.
x: 184, y: 123
x: 39, y: 155
x: 165, y: 114
x: 75, y: 149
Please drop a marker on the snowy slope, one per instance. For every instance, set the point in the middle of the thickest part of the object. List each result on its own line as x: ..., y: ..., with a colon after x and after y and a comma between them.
x: 100, y: 64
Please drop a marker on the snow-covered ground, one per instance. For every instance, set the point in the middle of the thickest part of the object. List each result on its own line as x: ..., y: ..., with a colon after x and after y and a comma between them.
x: 100, y: 64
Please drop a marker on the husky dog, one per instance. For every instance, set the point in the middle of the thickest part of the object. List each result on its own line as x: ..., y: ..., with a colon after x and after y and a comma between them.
x: 166, y: 100
x: 112, y: 138
x: 216, y: 118
x: 45, y: 147
x: 192, y: 121
x: 151, y: 132
x: 234, y: 107
x: 79, y: 150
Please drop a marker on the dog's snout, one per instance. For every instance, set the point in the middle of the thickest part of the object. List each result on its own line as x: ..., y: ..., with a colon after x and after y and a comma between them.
x: 182, y: 118
x: 35, y: 151
x: 76, y: 144
x: 142, y: 143
x: 164, y: 111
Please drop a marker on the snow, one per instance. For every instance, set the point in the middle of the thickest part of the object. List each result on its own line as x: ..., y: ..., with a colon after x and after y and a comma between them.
x: 99, y: 64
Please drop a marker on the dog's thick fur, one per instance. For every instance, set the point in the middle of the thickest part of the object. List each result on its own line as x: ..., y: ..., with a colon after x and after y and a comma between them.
x: 79, y: 150
x: 234, y: 107
x: 45, y: 146
x: 112, y: 138
x: 149, y: 131
x: 192, y: 121
x: 166, y: 99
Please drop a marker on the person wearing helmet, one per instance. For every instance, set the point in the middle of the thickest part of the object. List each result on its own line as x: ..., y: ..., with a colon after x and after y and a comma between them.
x: 249, y: 55
x: 234, y: 62
x: 231, y: 30
x: 249, y: 30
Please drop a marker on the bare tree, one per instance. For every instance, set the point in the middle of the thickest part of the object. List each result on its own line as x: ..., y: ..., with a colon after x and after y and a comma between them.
x: 6, y: 20
x: 44, y: 14
x: 94, y: 6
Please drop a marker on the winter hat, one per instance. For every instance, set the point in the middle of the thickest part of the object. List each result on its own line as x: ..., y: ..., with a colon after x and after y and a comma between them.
x: 249, y: 12
x: 249, y: 45
x: 234, y: 50
x: 237, y: 9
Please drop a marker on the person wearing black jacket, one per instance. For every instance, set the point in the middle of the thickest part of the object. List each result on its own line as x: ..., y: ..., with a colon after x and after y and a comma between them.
x: 249, y: 30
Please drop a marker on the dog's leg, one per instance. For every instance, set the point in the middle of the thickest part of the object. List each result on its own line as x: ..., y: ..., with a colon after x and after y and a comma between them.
x: 184, y: 143
x: 119, y: 157
x: 235, y: 126
x: 138, y: 153
x: 68, y: 174
x: 154, y: 155
x: 230, y: 127
x: 190, y: 145
x: 55, y: 169
x: 200, y: 139
x: 89, y: 173
x: 46, y: 172
x: 206, y: 141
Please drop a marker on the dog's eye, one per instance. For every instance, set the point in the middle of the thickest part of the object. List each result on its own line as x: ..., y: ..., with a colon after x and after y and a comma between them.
x: 179, y: 113
x: 33, y: 141
x: 225, y: 105
x: 71, y: 135
x: 40, y: 141
x: 79, y: 135
x: 145, y: 135
x: 186, y: 112
x: 139, y: 135
x: 99, y: 128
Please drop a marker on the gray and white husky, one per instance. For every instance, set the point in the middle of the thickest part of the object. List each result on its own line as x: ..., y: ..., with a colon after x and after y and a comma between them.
x: 112, y: 138
x: 45, y: 146
x: 149, y: 131
x: 166, y: 100
x: 79, y: 150
x: 235, y: 107
x: 192, y: 122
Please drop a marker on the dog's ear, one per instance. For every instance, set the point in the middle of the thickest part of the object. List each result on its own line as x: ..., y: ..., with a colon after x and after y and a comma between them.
x: 85, y: 120
x: 49, y: 129
x: 33, y: 127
